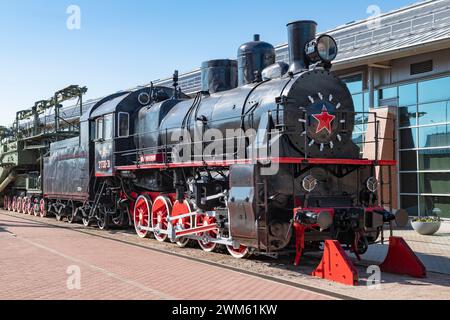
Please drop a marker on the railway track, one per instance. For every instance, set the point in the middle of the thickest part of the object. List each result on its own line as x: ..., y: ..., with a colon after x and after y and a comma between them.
x: 224, y: 262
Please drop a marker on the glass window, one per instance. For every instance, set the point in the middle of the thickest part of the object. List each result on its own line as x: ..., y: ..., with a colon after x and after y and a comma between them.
x: 434, y: 112
x: 367, y: 100
x: 434, y: 136
x: 388, y: 93
x: 124, y: 124
x: 408, y: 161
x: 359, y: 139
x: 435, y: 183
x: 408, y: 138
x: 354, y: 83
x: 434, y: 159
x: 408, y: 183
x: 99, y: 128
x: 408, y: 116
x: 407, y: 94
x: 360, y: 118
x: 108, y: 127
x: 432, y: 206
x: 409, y: 203
x: 434, y: 90
x: 358, y: 102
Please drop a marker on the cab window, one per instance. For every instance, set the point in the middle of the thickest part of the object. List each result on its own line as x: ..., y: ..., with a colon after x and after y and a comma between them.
x: 124, y: 124
x: 99, y: 129
x: 108, y: 127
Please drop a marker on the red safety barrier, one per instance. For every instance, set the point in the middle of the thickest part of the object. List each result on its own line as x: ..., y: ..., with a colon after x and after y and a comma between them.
x: 336, y: 265
x: 402, y: 260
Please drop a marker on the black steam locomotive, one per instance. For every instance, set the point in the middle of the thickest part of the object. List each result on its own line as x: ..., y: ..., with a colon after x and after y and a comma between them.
x: 260, y: 160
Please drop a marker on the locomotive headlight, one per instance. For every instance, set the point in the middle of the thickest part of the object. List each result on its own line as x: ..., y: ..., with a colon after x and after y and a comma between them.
x: 323, y: 49
x: 372, y: 184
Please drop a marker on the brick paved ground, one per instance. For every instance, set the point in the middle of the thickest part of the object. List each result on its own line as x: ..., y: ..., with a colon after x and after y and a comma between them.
x: 434, y: 251
x: 34, y: 259
x: 122, y: 270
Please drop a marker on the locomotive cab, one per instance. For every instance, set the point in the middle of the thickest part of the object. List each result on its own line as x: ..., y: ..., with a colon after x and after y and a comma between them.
x: 115, y: 127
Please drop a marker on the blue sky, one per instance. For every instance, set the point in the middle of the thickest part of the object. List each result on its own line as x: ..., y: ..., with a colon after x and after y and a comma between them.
x: 122, y: 44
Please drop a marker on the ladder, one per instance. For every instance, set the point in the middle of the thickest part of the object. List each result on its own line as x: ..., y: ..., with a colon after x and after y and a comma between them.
x: 262, y: 206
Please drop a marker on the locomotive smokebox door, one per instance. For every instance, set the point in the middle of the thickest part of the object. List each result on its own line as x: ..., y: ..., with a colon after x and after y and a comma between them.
x: 242, y: 204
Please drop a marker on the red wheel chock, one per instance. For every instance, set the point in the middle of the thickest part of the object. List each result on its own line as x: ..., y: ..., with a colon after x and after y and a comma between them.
x: 402, y: 260
x: 336, y: 265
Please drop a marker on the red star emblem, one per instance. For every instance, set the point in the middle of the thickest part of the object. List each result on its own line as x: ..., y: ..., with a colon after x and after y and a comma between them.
x: 325, y: 119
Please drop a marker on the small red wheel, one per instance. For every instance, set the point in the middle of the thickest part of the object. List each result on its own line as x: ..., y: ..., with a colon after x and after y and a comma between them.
x: 18, y: 205
x: 30, y: 210
x: 141, y: 215
x: 35, y: 207
x: 181, y: 208
x: 13, y: 204
x: 9, y: 204
x: 207, y: 245
x: 25, y: 205
x: 43, y: 208
x: 241, y: 253
x: 161, y: 209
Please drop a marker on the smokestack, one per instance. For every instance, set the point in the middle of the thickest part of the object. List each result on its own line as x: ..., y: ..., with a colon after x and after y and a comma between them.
x: 299, y: 34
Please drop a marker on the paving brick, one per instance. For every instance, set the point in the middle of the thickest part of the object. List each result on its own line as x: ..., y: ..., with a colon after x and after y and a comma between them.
x: 433, y: 251
x: 34, y: 259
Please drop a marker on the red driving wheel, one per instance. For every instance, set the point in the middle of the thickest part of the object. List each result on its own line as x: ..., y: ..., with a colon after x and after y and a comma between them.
x: 179, y: 209
x: 161, y: 209
x: 206, y: 244
x: 141, y: 215
x: 241, y: 253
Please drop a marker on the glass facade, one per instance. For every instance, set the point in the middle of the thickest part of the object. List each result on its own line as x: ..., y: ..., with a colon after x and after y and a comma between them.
x: 424, y: 140
x: 424, y: 147
x: 361, y: 102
